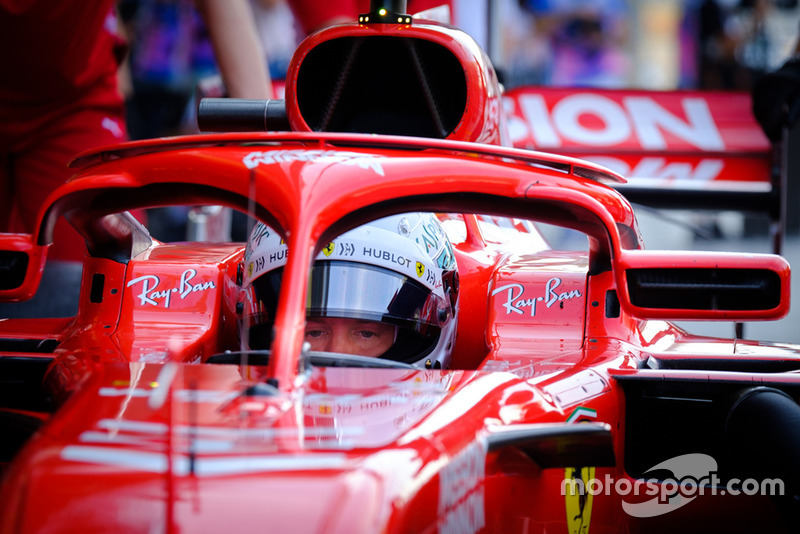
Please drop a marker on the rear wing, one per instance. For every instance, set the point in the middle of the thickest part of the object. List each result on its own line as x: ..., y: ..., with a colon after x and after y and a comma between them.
x: 678, y: 149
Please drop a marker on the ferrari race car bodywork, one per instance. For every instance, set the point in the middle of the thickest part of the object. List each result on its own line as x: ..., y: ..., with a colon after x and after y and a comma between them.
x: 571, y: 404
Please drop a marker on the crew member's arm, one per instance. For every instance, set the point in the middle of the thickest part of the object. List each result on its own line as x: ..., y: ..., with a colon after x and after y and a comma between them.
x: 238, y: 51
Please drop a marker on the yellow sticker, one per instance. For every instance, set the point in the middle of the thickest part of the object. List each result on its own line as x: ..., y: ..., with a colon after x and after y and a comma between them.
x: 420, y: 269
x: 328, y: 250
x: 578, y: 498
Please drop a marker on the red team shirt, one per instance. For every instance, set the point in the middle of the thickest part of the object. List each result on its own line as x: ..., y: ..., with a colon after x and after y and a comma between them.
x: 59, y: 96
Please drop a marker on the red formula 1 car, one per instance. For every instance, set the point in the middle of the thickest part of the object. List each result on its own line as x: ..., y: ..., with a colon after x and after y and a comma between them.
x: 537, y: 390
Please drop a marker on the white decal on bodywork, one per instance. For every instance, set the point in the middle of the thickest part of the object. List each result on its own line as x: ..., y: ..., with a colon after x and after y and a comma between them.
x: 640, y: 117
x: 515, y: 303
x: 150, y: 294
x: 461, y: 503
x: 363, y: 161
x: 156, y: 462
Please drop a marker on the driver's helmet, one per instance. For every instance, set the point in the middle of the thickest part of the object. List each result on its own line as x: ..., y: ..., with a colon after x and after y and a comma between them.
x: 399, y: 270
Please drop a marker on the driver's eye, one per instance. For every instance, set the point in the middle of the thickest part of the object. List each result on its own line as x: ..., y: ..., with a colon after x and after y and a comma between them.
x: 366, y: 334
x: 314, y: 333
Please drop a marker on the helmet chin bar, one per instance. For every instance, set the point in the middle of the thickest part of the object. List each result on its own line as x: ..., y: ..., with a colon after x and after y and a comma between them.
x: 410, y: 347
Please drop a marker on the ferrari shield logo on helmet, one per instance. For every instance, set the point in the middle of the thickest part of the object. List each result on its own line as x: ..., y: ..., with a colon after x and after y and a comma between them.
x: 328, y: 250
x: 420, y: 269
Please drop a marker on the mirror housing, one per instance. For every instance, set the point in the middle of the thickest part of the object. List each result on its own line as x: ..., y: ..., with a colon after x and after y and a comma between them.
x: 21, y: 265
x: 703, y: 285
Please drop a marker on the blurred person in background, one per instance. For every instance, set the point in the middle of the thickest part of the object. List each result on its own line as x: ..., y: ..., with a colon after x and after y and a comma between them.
x: 765, y: 31
x: 61, y: 95
x: 587, y: 41
x: 729, y: 44
x: 716, y: 46
x: 277, y: 30
x: 176, y: 46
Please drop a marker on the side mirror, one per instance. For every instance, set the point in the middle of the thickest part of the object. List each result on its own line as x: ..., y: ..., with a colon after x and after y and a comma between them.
x: 21, y: 265
x: 703, y: 285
